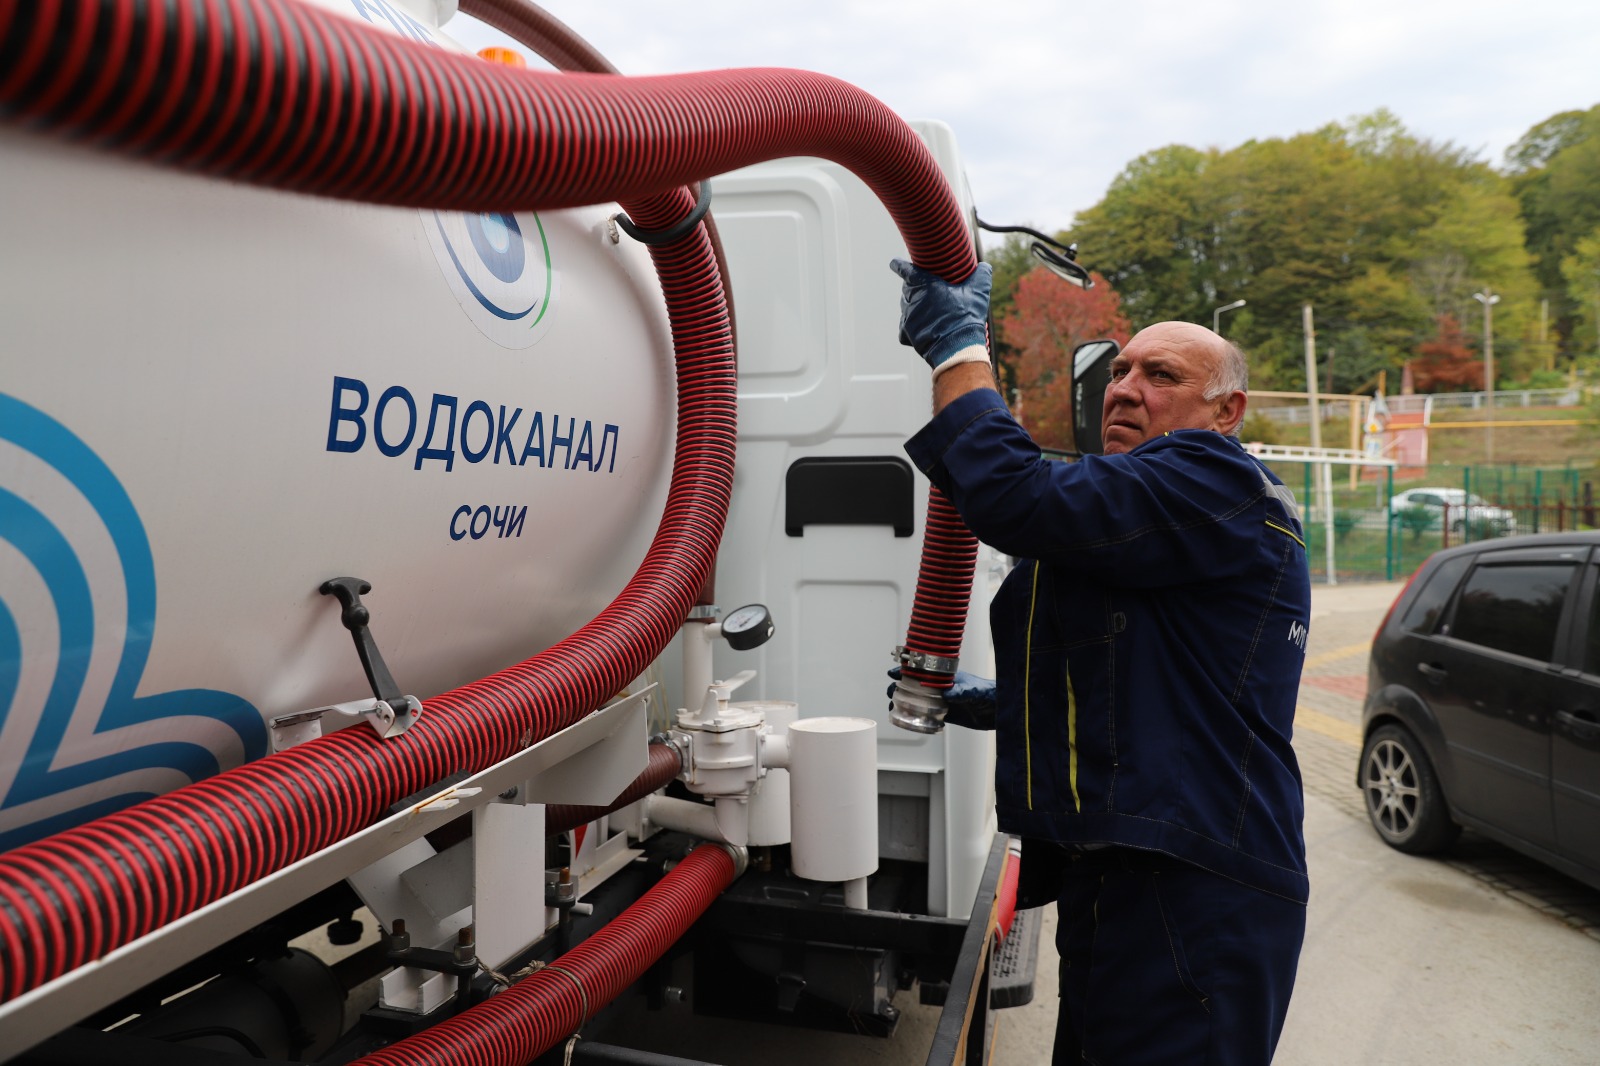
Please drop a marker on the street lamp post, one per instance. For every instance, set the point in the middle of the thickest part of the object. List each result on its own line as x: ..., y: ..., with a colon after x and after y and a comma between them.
x: 1488, y: 299
x: 1216, y: 316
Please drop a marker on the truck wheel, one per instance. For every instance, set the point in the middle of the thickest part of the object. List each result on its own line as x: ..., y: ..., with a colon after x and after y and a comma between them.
x: 1404, y: 800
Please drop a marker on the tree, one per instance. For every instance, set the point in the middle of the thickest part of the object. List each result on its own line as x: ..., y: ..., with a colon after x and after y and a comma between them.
x: 1534, y: 150
x: 1556, y: 176
x: 1581, y: 271
x: 1153, y: 235
x: 1011, y: 259
x: 1049, y: 318
x: 1445, y: 363
x: 1381, y: 231
x: 1479, y: 227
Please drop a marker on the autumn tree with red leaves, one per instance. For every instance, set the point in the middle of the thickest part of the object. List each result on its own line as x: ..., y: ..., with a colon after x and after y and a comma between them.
x: 1446, y: 363
x: 1049, y: 318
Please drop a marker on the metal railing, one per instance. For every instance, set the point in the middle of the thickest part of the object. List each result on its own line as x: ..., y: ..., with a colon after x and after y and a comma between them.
x: 1338, y: 410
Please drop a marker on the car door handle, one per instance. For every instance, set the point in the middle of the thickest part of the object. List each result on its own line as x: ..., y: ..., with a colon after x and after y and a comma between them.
x: 1582, y: 724
x: 1432, y: 672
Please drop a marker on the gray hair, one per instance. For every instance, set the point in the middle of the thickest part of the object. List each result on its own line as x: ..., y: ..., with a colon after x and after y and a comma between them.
x: 1231, y: 374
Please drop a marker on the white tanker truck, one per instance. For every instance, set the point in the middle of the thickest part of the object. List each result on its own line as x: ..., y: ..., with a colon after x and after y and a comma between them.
x: 402, y: 654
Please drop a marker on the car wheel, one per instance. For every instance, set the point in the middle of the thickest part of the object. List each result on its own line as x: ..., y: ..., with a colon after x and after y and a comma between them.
x: 1404, y: 800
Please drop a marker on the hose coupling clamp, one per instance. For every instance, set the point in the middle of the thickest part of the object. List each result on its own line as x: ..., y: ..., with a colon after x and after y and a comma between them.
x: 703, y: 613
x: 679, y: 743
x: 921, y: 660
x: 740, y: 856
x: 677, y: 231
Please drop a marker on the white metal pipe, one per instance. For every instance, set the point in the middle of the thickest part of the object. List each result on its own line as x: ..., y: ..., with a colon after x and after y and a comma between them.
x: 855, y: 893
x: 697, y: 668
x: 725, y: 821
x: 770, y: 798
x: 775, y: 750
x: 683, y: 816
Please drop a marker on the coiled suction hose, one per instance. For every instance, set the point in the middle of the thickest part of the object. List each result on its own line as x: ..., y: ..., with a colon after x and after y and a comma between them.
x: 527, y: 1019
x: 273, y: 93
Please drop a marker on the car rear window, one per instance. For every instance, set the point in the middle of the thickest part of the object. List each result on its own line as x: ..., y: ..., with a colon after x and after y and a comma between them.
x: 1513, y: 608
x: 1423, y: 614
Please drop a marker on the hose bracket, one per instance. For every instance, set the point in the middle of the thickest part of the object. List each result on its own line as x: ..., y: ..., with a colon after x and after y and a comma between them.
x: 677, y: 231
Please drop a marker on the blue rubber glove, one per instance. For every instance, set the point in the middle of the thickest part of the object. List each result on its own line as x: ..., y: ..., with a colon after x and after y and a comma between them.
x: 939, y: 319
x: 968, y: 702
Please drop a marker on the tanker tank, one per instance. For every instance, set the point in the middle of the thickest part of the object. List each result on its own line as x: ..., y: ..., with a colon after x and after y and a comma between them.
x: 218, y: 396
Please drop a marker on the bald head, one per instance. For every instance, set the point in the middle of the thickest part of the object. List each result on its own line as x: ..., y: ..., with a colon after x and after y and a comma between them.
x: 1172, y: 375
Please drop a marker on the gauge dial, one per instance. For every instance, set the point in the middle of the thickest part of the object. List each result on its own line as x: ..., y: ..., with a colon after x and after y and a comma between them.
x: 748, y: 627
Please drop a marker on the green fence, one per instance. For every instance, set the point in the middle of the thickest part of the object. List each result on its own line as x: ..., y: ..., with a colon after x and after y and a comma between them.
x: 1373, y: 542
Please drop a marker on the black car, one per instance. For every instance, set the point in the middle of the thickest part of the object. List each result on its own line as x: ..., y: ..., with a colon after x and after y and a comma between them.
x: 1483, y: 702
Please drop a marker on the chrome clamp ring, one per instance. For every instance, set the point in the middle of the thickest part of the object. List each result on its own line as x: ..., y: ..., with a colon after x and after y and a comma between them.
x: 919, y: 660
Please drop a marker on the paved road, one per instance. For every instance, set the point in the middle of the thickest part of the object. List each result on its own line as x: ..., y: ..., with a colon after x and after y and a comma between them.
x: 1480, y: 958
x: 1327, y: 739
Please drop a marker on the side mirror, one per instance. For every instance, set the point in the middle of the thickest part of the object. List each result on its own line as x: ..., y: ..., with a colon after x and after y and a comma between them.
x: 1091, y: 375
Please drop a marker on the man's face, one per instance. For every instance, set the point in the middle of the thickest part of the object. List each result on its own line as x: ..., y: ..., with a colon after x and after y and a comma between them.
x: 1158, y: 383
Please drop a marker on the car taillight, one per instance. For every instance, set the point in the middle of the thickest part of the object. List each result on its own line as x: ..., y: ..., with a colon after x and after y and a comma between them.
x: 1398, y: 597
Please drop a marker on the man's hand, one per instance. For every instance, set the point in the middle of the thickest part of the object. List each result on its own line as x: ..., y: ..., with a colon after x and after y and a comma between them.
x: 939, y: 319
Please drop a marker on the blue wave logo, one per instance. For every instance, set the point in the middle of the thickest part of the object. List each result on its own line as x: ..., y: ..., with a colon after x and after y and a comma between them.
x: 77, y: 615
x: 498, y: 265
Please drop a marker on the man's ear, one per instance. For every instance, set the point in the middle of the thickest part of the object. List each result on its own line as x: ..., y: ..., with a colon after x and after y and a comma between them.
x: 1230, y: 413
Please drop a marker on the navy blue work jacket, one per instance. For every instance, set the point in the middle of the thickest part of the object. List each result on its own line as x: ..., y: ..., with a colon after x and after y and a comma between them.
x: 1148, y: 643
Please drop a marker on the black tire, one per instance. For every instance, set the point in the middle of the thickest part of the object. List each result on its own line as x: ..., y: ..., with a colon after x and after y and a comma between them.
x: 1402, y: 793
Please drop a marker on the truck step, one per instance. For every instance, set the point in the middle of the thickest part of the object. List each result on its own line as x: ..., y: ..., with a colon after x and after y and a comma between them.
x: 1012, y: 966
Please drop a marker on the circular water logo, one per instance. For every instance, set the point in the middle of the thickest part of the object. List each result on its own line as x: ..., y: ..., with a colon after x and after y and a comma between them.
x: 498, y: 265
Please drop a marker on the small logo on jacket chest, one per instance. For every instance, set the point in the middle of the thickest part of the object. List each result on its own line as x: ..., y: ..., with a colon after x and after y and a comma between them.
x: 1298, y: 634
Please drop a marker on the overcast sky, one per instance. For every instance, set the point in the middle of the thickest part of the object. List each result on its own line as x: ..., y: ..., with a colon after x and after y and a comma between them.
x: 1051, y: 100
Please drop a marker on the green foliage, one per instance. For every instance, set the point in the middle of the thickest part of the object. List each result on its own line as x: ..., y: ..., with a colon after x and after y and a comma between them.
x: 1591, y: 413
x: 1581, y: 272
x: 1417, y: 520
x: 1344, y: 522
x: 1259, y: 429
x: 1152, y: 236
x: 1556, y: 176
x: 1544, y: 379
x: 1379, y: 230
x: 1534, y: 150
x: 1481, y: 529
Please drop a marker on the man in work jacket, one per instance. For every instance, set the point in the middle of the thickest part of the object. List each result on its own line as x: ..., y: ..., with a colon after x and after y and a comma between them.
x: 1148, y: 644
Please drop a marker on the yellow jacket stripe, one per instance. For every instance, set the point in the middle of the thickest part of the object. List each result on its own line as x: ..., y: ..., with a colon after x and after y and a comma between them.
x: 1290, y: 532
x: 1027, y: 684
x: 1072, y: 744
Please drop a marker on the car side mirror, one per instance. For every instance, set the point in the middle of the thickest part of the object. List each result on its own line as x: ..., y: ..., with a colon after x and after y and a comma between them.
x: 1091, y: 376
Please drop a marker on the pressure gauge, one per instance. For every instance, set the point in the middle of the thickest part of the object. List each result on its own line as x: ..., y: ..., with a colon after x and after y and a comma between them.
x: 748, y: 627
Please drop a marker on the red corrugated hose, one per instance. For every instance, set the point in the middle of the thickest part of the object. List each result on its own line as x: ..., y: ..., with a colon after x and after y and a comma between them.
x: 273, y: 93
x: 944, y: 582
x: 528, y: 1018
x: 665, y: 763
